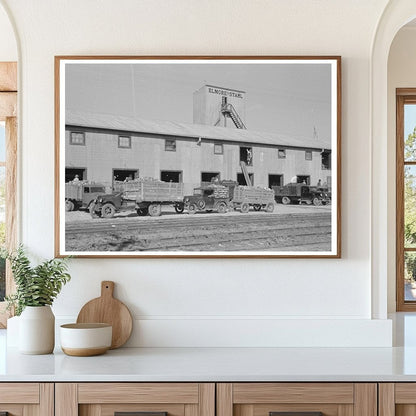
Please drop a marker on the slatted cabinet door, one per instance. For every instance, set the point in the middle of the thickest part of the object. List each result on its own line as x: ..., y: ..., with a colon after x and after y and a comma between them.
x: 26, y: 399
x: 131, y: 399
x: 397, y: 399
x: 297, y: 399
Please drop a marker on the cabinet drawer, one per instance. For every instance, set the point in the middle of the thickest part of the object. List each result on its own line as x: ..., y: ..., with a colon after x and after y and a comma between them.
x: 296, y: 399
x: 144, y: 399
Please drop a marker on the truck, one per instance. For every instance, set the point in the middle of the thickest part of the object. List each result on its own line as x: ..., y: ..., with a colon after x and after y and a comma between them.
x: 228, y: 195
x: 212, y: 197
x: 146, y: 196
x: 298, y: 193
x: 80, y: 194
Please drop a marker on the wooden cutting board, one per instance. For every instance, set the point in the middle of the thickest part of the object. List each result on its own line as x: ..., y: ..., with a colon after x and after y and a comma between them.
x: 107, y: 309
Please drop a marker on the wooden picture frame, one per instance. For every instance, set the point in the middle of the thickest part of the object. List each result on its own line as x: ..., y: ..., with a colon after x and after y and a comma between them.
x: 258, y: 162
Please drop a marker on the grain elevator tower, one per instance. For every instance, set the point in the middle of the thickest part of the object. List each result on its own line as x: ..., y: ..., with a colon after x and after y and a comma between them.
x: 218, y: 106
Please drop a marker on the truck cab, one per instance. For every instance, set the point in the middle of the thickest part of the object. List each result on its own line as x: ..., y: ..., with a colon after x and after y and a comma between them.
x: 106, y: 205
x: 80, y: 195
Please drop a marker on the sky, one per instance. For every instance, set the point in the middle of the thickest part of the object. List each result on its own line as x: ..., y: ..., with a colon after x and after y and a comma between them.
x: 293, y: 99
x: 409, y: 119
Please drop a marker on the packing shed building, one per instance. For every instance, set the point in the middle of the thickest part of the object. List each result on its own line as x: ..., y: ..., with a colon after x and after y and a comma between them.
x: 103, y: 148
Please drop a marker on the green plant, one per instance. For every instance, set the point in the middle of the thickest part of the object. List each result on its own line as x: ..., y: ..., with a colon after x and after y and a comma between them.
x: 35, y: 286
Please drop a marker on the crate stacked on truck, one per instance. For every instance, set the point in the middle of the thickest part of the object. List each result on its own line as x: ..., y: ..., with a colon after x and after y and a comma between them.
x: 253, y: 196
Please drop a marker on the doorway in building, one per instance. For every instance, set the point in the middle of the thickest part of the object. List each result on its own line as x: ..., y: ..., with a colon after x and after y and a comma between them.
x: 171, y: 176
x: 306, y: 179
x: 242, y: 181
x: 75, y: 173
x: 124, y: 175
x: 275, y: 180
x: 326, y: 160
x: 246, y: 155
x: 209, y: 177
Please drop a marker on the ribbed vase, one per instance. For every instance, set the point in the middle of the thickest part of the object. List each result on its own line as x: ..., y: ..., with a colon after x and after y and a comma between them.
x: 37, y: 330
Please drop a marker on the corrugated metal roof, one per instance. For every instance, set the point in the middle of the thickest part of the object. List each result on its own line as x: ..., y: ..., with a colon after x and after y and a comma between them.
x: 173, y: 128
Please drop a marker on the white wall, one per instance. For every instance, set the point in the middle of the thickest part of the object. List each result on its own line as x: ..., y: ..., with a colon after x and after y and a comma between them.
x: 401, y: 74
x: 198, y: 302
x: 8, y: 46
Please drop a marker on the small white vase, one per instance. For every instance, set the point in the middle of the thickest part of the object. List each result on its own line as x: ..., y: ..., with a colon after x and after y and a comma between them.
x: 12, y: 334
x: 37, y: 330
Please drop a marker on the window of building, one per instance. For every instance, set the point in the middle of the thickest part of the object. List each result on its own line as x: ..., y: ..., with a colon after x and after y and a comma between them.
x: 281, y: 153
x: 77, y: 138
x: 171, y: 176
x: 170, y: 145
x: 124, y: 142
x: 246, y: 155
x: 326, y: 160
x: 218, y: 149
x: 406, y: 200
x: 308, y: 154
x: 275, y: 180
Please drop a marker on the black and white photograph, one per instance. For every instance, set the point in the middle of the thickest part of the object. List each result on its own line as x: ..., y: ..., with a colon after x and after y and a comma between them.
x: 198, y: 156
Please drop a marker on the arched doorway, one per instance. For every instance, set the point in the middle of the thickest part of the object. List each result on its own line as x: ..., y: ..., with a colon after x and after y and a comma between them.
x: 396, y: 15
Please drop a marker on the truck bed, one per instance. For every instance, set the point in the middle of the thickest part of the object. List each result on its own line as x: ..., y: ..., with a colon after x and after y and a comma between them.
x: 152, y: 191
x: 73, y: 190
x: 253, y: 195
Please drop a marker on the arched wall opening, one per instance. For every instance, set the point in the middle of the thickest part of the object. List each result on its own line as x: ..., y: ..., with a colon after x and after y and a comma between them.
x: 384, y: 80
x: 401, y: 73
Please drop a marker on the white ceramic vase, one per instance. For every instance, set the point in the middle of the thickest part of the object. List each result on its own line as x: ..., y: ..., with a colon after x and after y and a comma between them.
x: 37, y: 330
x: 12, y: 334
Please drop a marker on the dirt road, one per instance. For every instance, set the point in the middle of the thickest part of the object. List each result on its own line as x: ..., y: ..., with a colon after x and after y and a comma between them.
x: 296, y: 228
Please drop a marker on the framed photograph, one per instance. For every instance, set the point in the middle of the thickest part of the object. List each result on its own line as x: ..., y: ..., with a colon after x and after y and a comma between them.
x: 198, y: 156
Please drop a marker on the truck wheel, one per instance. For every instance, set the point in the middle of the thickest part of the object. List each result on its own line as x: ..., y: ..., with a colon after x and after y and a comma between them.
x: 201, y: 204
x: 192, y: 209
x: 270, y: 207
x: 108, y: 210
x: 142, y: 212
x: 93, y: 212
x: 155, y: 210
x: 179, y: 208
x: 222, y: 208
x: 257, y: 207
x: 286, y: 200
x: 244, y: 208
x: 317, y: 202
x: 69, y: 205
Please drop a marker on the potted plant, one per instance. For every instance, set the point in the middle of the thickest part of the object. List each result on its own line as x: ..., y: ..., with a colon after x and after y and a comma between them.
x: 36, y: 289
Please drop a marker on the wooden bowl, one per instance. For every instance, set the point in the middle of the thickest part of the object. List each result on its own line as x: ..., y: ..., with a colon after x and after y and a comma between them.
x: 84, y: 340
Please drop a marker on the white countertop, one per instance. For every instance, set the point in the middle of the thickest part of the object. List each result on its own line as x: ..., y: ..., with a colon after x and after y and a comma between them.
x: 222, y: 364
x: 215, y: 364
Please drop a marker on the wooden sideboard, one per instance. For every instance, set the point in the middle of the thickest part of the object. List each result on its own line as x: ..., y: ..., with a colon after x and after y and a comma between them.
x: 208, y: 399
